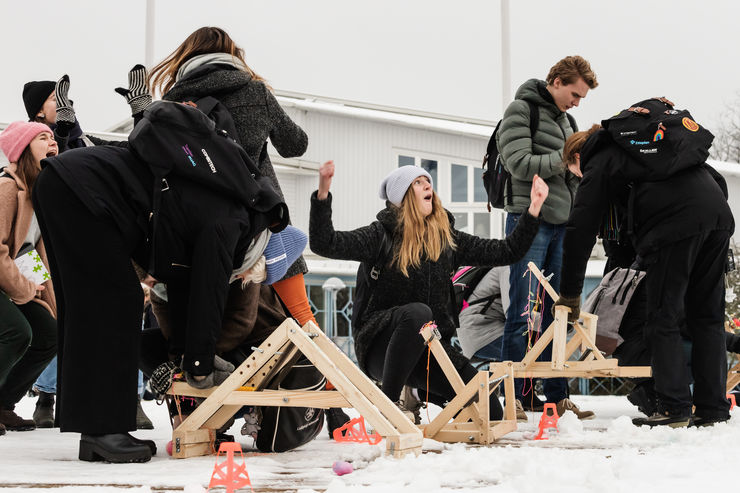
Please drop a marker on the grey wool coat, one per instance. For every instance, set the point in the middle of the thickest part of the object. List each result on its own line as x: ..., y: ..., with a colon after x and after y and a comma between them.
x: 429, y: 283
x: 525, y: 156
x: 257, y: 116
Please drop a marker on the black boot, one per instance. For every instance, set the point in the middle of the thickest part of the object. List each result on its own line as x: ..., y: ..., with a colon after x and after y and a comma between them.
x: 43, y: 415
x: 149, y: 443
x: 113, y: 447
x: 335, y: 418
x: 142, y: 420
x: 644, y: 397
x: 666, y: 418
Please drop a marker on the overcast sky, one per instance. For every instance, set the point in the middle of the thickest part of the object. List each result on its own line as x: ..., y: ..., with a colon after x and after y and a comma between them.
x: 439, y: 56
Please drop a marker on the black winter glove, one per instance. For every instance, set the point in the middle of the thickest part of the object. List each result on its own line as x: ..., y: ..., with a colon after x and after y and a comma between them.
x: 221, y: 371
x: 65, y: 112
x: 137, y: 95
x: 572, y: 302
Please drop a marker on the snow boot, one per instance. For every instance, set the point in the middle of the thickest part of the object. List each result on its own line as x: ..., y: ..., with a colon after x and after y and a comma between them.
x: 335, y: 418
x: 568, y: 405
x: 2, y: 429
x: 645, y: 398
x: 142, y: 420
x: 410, y: 402
x: 43, y: 415
x: 521, y: 416
x: 13, y: 422
x: 666, y: 418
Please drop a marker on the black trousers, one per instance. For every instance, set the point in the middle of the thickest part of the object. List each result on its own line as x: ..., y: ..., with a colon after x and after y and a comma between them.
x: 684, y: 281
x: 28, y: 342
x: 398, y: 357
x: 99, y: 302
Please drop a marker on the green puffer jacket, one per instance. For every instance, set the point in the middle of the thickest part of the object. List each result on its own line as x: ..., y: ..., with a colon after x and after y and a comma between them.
x: 524, y: 156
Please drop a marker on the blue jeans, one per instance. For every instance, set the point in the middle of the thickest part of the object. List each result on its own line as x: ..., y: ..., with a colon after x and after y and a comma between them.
x: 547, y: 253
x: 47, y: 381
x: 492, y: 350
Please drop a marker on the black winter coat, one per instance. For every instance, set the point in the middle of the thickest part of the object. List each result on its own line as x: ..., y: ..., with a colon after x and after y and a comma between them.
x: 687, y: 203
x: 206, y: 233
x: 428, y: 284
x: 257, y: 116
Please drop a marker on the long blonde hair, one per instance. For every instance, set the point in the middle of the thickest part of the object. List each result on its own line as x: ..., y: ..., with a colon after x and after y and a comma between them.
x: 429, y: 235
x: 202, y: 41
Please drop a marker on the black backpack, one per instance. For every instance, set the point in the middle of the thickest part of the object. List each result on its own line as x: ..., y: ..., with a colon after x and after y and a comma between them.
x: 367, y: 277
x: 464, y: 282
x: 496, y: 179
x: 286, y: 428
x: 192, y: 142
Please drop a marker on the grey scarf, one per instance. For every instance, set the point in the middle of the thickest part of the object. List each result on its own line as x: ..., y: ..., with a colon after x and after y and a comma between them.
x: 200, y: 60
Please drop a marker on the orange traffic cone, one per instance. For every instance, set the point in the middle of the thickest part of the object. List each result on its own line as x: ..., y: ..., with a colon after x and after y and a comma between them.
x: 349, y: 433
x: 548, y: 420
x: 226, y: 473
x: 731, y: 398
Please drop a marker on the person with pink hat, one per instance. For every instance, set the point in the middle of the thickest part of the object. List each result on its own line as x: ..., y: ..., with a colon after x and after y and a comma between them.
x: 28, y: 329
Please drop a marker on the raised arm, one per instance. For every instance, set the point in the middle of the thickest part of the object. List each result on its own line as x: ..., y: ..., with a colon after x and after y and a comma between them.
x: 360, y: 244
x: 473, y: 250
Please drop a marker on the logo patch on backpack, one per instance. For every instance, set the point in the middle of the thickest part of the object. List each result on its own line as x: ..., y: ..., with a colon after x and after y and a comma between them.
x: 189, y: 154
x: 690, y: 124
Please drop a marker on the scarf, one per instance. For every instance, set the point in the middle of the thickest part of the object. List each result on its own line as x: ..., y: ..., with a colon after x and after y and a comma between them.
x: 200, y: 60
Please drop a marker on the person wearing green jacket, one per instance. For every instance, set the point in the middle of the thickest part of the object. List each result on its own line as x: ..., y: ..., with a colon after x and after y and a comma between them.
x: 530, y: 142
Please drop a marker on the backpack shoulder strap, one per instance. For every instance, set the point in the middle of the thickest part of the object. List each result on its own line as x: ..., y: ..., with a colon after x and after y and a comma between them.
x: 534, y: 118
x: 384, y: 251
x: 206, y: 104
x: 572, y: 122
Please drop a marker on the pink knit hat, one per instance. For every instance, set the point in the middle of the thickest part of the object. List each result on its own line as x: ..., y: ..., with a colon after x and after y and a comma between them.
x: 15, y: 138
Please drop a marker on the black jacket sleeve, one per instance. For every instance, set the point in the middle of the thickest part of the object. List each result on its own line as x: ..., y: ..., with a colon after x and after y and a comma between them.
x: 360, y: 244
x: 472, y: 250
x: 591, y: 201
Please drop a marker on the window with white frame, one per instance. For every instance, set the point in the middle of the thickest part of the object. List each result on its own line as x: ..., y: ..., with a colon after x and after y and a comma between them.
x: 459, y: 184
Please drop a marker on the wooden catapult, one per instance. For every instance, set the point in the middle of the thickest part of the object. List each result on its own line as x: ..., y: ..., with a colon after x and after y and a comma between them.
x: 591, y: 362
x: 245, y: 386
x: 733, y: 377
x: 470, y: 410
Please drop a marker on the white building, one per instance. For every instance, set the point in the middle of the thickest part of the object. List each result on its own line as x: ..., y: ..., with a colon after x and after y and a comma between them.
x: 368, y: 141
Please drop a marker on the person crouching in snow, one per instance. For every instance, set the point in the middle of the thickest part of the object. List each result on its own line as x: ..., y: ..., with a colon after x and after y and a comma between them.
x: 414, y: 286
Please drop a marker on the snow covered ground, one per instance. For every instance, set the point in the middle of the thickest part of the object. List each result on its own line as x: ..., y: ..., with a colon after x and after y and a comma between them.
x: 605, y: 455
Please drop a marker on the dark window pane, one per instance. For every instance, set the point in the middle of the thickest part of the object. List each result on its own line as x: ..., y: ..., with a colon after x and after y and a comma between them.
x: 461, y: 221
x: 431, y: 167
x: 479, y: 192
x: 459, y: 181
x: 482, y: 224
x: 405, y: 161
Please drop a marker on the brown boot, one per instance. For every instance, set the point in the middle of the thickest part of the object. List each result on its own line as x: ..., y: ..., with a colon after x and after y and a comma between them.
x: 568, y: 405
x: 2, y: 429
x: 13, y: 422
x: 521, y: 416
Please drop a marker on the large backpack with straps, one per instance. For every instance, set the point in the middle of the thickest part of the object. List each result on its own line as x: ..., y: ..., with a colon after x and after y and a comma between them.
x: 496, y: 178
x: 193, y: 141
x: 464, y: 282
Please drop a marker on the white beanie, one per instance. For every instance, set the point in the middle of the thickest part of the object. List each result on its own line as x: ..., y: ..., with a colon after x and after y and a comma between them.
x: 394, y: 186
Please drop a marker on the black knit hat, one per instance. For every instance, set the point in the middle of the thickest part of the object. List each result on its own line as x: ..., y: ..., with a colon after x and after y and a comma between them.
x: 34, y: 95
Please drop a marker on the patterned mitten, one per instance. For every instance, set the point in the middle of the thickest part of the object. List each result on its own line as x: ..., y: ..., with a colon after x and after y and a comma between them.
x: 137, y: 95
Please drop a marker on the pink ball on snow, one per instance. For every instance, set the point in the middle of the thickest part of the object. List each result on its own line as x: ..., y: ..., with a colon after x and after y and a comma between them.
x: 341, y: 468
x: 169, y: 447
